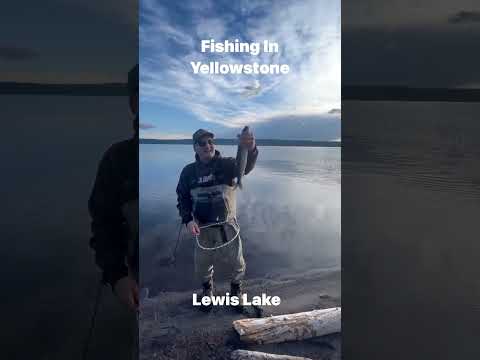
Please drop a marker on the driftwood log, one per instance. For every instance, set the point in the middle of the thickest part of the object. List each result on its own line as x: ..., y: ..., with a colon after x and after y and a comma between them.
x: 255, y: 355
x: 289, y: 327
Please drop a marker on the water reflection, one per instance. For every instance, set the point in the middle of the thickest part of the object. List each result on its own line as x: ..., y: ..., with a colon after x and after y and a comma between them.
x: 410, y: 205
x: 422, y: 144
x: 289, y: 212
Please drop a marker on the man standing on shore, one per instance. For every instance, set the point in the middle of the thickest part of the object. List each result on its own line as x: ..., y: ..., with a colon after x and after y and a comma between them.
x: 113, y: 207
x: 207, y: 206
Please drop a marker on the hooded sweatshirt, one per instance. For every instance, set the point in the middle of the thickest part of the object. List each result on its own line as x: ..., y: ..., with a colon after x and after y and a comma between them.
x: 218, y: 171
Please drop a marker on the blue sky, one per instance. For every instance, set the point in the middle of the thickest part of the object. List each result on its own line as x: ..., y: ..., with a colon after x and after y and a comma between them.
x: 175, y: 101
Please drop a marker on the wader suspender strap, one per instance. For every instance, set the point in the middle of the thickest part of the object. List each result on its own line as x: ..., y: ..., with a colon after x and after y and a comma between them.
x: 224, y: 234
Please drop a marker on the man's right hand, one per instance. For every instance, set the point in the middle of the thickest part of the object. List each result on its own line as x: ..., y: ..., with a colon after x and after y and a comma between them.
x: 126, y: 289
x: 193, y: 228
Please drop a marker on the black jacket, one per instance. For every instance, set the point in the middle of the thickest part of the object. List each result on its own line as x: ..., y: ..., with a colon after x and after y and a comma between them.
x: 116, y: 183
x: 218, y: 171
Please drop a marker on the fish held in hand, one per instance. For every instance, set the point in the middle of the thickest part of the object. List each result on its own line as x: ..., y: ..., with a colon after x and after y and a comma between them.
x: 242, y: 155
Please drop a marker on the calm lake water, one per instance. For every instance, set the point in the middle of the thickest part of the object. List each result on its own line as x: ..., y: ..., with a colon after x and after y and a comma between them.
x: 410, y: 205
x: 288, y: 210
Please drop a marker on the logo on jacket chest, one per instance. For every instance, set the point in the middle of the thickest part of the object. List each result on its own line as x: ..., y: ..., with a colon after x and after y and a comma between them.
x: 206, y: 179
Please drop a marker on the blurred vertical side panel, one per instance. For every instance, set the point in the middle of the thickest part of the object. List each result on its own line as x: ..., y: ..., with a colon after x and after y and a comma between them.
x: 64, y: 101
x: 410, y: 180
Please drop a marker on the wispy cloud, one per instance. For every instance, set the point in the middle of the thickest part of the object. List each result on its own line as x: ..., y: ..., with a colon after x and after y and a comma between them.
x: 308, y: 33
x: 146, y: 126
x: 465, y: 17
x: 124, y: 12
x: 165, y: 135
x: 13, y: 53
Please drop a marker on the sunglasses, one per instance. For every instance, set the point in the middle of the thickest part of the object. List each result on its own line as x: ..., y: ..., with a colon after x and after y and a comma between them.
x: 203, y: 143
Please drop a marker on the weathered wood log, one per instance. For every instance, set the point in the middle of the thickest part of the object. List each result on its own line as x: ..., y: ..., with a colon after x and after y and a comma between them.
x: 256, y: 355
x: 289, y: 327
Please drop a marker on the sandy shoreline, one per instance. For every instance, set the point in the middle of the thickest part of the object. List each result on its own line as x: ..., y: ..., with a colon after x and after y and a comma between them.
x: 171, y: 328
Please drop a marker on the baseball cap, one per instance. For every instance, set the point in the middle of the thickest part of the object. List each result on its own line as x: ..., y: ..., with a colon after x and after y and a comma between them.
x: 201, y: 133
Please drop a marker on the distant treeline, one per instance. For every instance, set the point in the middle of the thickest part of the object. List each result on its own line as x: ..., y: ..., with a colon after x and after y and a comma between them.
x: 260, y: 142
x: 14, y: 88
x: 349, y: 92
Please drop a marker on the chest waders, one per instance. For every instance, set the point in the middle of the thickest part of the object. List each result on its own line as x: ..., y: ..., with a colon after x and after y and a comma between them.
x: 215, y: 206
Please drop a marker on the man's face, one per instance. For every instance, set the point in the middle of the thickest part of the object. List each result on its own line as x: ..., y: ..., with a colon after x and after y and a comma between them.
x: 205, y: 148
